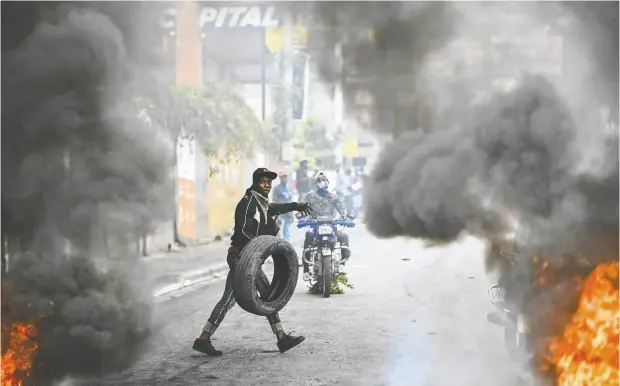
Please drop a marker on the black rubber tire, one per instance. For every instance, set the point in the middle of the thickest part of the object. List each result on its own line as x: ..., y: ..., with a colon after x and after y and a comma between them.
x: 249, y: 267
x: 327, y: 276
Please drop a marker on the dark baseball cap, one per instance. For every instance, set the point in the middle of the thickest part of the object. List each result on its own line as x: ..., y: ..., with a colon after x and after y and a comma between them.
x: 260, y: 172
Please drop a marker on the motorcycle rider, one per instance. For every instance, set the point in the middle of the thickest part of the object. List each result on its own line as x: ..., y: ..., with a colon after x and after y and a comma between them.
x: 324, y: 203
x: 253, y: 217
x: 303, y: 179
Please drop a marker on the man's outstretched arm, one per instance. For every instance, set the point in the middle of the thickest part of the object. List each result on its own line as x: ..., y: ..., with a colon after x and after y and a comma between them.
x: 276, y: 209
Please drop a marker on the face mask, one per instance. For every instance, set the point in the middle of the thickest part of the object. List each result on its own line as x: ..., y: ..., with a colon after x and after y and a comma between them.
x: 322, y: 185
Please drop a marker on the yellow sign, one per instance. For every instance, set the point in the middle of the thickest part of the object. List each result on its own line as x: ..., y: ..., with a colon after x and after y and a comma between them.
x: 349, y: 148
x: 274, y: 38
x: 370, y: 34
x: 223, y: 192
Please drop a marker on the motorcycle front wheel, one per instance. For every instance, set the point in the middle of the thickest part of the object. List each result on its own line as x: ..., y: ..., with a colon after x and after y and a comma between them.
x: 327, y: 276
x: 514, y: 341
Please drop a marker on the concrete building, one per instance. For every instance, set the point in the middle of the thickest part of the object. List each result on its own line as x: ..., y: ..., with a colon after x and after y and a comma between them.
x: 218, y: 43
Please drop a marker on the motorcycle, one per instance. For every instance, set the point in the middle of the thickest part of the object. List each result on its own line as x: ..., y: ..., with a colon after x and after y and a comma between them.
x: 324, y: 256
x: 509, y: 318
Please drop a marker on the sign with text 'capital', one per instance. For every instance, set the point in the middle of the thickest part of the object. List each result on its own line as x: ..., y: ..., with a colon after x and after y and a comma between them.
x: 228, y: 17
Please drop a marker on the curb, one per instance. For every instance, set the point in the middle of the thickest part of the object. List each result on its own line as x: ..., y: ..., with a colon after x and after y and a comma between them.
x: 192, y: 277
x: 178, y: 250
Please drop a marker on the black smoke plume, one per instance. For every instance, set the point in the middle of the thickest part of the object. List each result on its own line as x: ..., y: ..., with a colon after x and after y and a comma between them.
x: 538, y: 152
x: 475, y: 166
x: 383, y: 46
x: 77, y: 162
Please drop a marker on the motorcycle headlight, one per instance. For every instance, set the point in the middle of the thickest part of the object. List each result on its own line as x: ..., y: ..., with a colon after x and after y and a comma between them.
x: 325, y: 230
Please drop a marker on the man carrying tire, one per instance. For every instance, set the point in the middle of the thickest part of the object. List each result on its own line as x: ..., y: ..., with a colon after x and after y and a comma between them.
x: 253, y: 217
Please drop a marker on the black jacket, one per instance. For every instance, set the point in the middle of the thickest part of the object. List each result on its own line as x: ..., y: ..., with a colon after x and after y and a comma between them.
x: 251, y: 222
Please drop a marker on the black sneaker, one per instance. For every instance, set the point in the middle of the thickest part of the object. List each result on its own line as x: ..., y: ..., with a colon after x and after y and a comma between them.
x: 288, y: 342
x: 204, y: 346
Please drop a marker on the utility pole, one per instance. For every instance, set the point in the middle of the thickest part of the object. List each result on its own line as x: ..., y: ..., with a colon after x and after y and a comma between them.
x: 5, y: 254
x: 189, y: 72
x: 66, y: 159
x: 339, y: 103
x: 287, y: 56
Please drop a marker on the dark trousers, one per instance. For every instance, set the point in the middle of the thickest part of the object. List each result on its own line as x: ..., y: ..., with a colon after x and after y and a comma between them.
x: 343, y: 239
x: 228, y: 299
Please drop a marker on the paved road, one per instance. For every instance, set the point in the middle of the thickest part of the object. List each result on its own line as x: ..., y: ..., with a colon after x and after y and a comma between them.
x: 415, y: 322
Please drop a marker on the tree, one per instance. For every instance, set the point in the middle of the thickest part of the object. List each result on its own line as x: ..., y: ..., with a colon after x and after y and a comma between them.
x: 222, y: 123
x: 218, y: 117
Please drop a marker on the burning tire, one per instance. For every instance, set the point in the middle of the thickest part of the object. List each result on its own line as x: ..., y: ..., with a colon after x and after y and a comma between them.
x: 249, y: 267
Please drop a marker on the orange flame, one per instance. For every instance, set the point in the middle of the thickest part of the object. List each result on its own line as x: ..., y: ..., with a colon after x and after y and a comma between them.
x: 17, y: 361
x: 587, y: 351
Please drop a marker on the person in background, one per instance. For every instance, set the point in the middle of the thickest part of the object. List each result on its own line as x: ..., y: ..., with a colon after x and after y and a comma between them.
x: 317, y: 170
x: 341, y: 182
x: 303, y: 179
x: 282, y: 194
x: 357, y: 186
x: 348, y: 191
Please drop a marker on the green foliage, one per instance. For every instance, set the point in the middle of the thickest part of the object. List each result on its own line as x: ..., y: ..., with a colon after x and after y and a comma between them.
x: 219, y: 117
x: 341, y: 278
x: 312, y: 139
